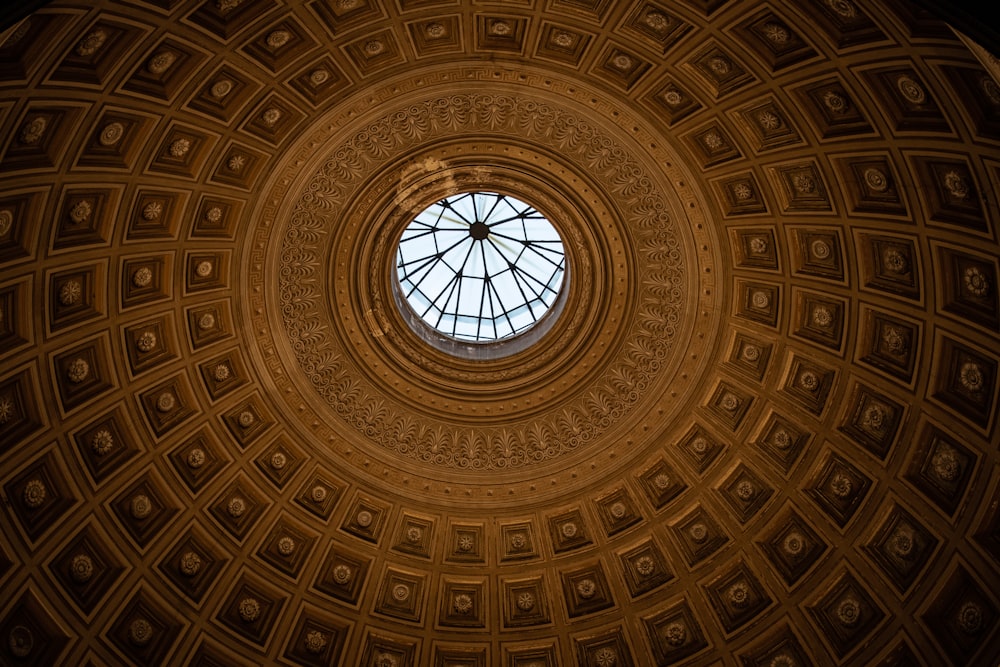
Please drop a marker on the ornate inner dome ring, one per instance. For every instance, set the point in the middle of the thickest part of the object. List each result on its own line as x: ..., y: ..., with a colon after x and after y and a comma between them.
x: 333, y: 338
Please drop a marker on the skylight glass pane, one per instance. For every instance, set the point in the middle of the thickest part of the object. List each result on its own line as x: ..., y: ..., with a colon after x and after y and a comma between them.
x: 480, y: 266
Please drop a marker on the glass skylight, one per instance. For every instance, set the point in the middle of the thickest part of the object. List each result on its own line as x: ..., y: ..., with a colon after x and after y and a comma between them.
x: 480, y: 266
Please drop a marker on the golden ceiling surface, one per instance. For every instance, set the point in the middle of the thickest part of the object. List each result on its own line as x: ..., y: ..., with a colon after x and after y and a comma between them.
x: 760, y: 429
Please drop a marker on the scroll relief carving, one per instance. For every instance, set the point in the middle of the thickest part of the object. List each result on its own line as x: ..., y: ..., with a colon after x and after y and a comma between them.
x: 659, y: 272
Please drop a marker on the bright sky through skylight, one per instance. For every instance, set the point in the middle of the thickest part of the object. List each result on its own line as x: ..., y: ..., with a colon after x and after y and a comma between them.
x: 480, y: 266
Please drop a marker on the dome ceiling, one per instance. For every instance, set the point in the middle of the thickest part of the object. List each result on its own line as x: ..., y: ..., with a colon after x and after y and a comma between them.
x: 758, y: 428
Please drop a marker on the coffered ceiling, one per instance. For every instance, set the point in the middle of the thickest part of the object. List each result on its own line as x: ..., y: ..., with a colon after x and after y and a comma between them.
x: 759, y: 429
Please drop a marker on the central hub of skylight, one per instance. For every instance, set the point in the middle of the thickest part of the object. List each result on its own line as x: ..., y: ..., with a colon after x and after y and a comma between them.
x: 480, y: 266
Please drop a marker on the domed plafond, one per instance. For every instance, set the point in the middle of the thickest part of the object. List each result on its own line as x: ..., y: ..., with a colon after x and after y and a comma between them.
x: 758, y: 424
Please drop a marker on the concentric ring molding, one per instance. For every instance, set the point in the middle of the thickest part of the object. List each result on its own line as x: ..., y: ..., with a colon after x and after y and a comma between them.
x: 353, y: 361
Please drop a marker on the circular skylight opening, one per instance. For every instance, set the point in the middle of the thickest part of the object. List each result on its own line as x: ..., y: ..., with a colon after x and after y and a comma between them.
x: 480, y: 266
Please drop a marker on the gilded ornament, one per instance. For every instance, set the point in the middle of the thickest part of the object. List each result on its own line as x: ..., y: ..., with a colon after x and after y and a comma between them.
x: 206, y: 322
x: 719, y: 65
x: 586, y: 588
x: 971, y: 377
x: 342, y: 574
x: 675, y: 634
x: 249, y: 609
x: 236, y: 507
x: 730, y: 402
x: 622, y: 62
x: 768, y: 120
x: 742, y: 191
x: 822, y: 317
x: 20, y: 641
x: 777, y: 33
x: 970, y: 618
x: 286, y: 546
x: 902, y: 542
x: 221, y: 88
x: 140, y: 632
x: 6, y: 409
x: 146, y: 342
x: 179, y: 147
x: 809, y: 381
x: 81, y: 568
x: 606, y: 657
x: 820, y: 249
x: 842, y: 486
x: 673, y: 98
x: 278, y: 461
x: 698, y: 532
x: 563, y: 39
x: 758, y: 245
x: 500, y: 28
x: 946, y: 464
x: 738, y: 595
x: 278, y: 38
x: 143, y: 277
x: 70, y: 292
x: 804, y: 184
x: 271, y: 116
x: 876, y: 179
x: 794, y: 544
x: 140, y: 506
x: 645, y: 566
x: 111, y: 134
x: 895, y: 261
x: 78, y: 370
x: 33, y: 130
x: 102, y: 442
x: 81, y: 211
x: 190, y: 564
x: 166, y: 401
x: 315, y: 641
x: 161, y: 62
x: 6, y: 221
x: 152, y: 211
x: 976, y: 282
x: 91, y: 43
x: 836, y: 102
x: 196, y: 458
x: 844, y: 8
x: 221, y: 372
x: 462, y: 604
x: 911, y: 90
x: 957, y: 185
x: 849, y: 611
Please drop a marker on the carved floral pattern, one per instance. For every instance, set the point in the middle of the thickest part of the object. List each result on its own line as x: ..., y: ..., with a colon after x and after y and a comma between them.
x: 381, y: 419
